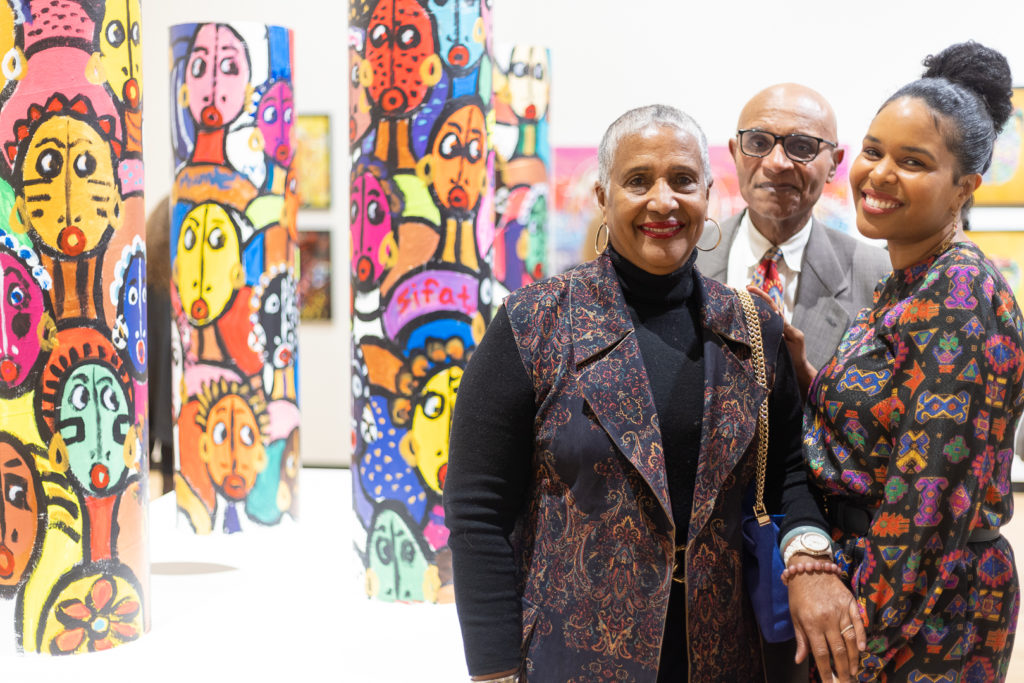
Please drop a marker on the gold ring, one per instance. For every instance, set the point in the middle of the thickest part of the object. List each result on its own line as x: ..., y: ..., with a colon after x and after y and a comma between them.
x: 849, y: 627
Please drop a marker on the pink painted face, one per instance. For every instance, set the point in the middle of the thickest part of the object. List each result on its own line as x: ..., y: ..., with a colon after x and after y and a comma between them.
x: 371, y: 224
x: 21, y: 311
x: 217, y: 76
x: 274, y: 118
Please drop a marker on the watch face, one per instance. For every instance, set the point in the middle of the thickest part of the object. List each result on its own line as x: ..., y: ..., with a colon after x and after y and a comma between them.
x: 815, y: 542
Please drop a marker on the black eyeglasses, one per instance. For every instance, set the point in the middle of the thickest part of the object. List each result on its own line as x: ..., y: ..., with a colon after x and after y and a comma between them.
x: 798, y: 147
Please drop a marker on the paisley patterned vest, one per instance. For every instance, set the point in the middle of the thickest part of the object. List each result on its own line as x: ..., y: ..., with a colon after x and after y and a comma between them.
x: 595, y: 543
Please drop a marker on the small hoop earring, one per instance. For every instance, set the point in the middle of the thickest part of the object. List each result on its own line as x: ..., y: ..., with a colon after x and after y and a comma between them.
x: 597, y: 238
x: 712, y: 220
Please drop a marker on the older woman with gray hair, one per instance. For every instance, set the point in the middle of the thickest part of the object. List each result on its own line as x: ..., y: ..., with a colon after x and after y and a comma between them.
x: 604, y: 440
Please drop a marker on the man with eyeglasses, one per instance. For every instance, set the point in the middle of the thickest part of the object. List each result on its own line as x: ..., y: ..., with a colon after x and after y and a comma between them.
x: 786, y: 150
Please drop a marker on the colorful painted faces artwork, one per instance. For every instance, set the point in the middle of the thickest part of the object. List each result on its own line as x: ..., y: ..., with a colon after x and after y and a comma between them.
x: 402, y: 56
x: 217, y: 76
x: 74, y: 568
x: 421, y: 226
x: 207, y: 268
x: 522, y: 93
x: 66, y: 162
x: 233, y: 254
x: 120, y: 50
x: 26, y: 324
x: 373, y: 239
x: 21, y: 500
x: 274, y: 119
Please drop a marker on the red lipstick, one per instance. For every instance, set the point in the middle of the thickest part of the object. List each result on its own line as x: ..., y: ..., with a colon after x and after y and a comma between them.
x: 661, y: 230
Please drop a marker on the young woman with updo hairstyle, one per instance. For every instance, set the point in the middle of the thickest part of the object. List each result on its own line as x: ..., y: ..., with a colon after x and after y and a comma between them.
x: 908, y: 429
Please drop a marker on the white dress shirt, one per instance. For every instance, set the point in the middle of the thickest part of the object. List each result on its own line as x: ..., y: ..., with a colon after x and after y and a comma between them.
x: 750, y: 246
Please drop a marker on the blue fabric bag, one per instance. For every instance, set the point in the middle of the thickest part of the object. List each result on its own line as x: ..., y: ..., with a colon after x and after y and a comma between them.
x: 762, y: 575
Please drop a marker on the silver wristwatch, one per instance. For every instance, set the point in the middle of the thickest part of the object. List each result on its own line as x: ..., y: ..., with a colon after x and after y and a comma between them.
x: 809, y: 543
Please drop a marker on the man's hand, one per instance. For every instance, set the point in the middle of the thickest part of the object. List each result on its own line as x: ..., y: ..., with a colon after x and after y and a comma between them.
x: 794, y: 338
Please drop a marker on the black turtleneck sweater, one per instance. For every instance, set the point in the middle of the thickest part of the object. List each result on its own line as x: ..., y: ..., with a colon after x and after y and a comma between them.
x: 492, y: 441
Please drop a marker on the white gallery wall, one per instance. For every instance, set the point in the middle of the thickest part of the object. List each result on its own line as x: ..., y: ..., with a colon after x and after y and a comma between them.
x: 705, y: 57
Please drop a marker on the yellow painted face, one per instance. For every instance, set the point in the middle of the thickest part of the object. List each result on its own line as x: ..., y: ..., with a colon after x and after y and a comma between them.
x: 121, y: 50
x: 431, y: 423
x: 207, y: 267
x: 70, y: 198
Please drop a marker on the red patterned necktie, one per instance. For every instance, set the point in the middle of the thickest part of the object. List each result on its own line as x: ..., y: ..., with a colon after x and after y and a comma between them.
x: 766, y: 276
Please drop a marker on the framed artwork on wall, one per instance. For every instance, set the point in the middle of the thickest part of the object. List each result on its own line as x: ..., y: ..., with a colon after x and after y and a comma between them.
x: 1005, y: 249
x: 313, y: 132
x: 1003, y: 183
x: 314, y: 275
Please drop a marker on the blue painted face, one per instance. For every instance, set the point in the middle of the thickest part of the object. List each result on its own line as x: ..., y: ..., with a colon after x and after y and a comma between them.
x: 460, y: 33
x: 134, y: 309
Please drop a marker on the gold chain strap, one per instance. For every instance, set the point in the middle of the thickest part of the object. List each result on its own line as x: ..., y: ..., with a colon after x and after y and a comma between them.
x: 757, y: 350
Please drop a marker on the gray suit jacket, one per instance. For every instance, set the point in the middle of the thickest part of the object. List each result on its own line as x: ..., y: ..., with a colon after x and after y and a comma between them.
x: 837, y: 278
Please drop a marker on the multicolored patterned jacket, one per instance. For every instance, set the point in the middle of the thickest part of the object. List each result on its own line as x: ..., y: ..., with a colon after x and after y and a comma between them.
x: 595, y: 545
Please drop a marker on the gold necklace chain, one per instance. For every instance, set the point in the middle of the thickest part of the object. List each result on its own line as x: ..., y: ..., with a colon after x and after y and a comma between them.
x: 944, y: 244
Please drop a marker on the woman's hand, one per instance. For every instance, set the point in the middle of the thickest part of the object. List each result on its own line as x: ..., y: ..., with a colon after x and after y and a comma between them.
x: 827, y: 623
x: 794, y: 338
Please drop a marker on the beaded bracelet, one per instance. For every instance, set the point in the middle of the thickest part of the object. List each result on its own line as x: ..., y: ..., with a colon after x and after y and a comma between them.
x: 816, y: 567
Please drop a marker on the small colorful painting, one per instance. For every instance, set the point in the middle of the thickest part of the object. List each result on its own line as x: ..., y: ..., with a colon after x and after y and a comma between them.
x: 1003, y: 183
x: 576, y: 214
x: 314, y: 160
x: 1005, y: 249
x: 314, y: 275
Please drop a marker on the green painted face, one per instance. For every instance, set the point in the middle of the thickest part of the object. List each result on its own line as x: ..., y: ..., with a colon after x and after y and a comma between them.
x: 397, y: 559
x: 94, y: 419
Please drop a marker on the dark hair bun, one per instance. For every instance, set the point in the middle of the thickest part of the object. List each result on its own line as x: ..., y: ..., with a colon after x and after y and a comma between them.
x: 980, y: 69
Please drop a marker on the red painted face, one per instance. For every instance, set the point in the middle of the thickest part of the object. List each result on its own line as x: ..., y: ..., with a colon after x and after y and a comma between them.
x: 400, y: 49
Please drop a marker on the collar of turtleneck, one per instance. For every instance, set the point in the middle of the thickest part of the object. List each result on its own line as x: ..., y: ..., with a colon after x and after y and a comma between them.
x: 641, y: 288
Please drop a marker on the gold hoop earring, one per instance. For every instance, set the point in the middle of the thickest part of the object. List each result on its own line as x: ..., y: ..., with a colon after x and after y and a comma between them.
x: 712, y: 220
x: 597, y: 238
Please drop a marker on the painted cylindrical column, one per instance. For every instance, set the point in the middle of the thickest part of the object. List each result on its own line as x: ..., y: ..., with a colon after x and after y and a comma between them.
x: 233, y: 264
x: 522, y: 96
x: 422, y: 222
x: 74, y: 556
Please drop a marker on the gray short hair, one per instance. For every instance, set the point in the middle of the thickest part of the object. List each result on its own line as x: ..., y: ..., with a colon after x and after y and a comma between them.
x: 641, y: 118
